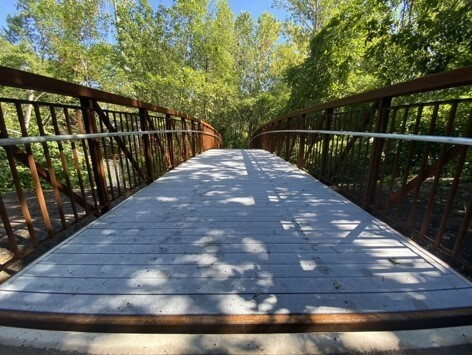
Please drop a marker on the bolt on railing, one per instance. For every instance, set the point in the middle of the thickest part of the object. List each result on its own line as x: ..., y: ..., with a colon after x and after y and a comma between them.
x: 401, y: 152
x: 75, y: 157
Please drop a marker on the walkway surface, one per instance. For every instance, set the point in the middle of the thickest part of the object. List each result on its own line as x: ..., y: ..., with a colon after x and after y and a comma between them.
x: 234, y: 233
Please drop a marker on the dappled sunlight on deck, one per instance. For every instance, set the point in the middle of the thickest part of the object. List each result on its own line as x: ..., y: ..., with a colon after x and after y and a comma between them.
x: 236, y: 232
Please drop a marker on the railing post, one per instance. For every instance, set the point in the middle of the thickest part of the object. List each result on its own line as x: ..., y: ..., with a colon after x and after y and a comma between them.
x: 271, y: 137
x: 301, y: 151
x: 147, y: 145
x: 383, y: 110
x: 170, y: 143
x: 184, y: 144
x: 95, y: 154
x: 200, y: 138
x: 326, y: 139
x: 287, y: 143
x: 278, y: 139
x: 192, y: 142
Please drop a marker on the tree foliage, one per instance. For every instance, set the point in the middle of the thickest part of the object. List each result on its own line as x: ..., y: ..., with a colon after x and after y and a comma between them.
x: 373, y: 43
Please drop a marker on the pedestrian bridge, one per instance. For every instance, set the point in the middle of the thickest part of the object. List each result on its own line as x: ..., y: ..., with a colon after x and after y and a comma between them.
x: 218, y: 240
x: 235, y: 240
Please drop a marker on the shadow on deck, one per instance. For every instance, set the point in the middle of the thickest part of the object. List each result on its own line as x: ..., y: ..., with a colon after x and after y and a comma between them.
x: 236, y: 241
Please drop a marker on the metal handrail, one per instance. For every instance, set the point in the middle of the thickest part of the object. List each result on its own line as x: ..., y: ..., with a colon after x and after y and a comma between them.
x: 408, y: 137
x: 5, y: 142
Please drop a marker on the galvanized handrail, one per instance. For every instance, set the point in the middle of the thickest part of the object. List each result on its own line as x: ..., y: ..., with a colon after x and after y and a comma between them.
x: 5, y: 142
x: 398, y: 153
x: 407, y: 137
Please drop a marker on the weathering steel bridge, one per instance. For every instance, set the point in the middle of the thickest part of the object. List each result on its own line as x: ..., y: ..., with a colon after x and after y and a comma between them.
x: 303, y: 232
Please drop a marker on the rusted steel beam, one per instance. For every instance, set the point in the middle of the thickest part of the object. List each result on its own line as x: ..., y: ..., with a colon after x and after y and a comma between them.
x: 230, y: 324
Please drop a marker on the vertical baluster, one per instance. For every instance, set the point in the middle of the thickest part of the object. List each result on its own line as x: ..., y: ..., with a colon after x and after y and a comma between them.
x: 123, y: 165
x: 170, y: 143
x: 386, y: 151
x: 383, y: 110
x: 34, y: 172
x: 87, y: 161
x: 184, y: 134
x: 424, y: 162
x: 143, y: 116
x: 325, y: 146
x: 52, y: 175
x: 16, y: 181
x: 301, y: 151
x: 75, y: 156
x: 396, y: 162
x: 409, y: 160
x: 65, y: 169
x: 455, y: 183
x: 437, y: 175
x: 113, y: 157
x: 95, y: 154
x: 106, y: 158
x: 194, y: 150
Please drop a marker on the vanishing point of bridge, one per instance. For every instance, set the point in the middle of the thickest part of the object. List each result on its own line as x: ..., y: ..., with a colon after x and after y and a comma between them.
x: 240, y: 240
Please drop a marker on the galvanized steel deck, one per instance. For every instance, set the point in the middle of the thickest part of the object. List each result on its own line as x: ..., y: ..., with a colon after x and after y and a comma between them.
x: 235, y: 233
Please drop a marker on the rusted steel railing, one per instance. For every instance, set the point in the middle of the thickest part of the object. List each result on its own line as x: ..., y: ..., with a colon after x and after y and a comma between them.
x: 401, y: 152
x: 73, y: 156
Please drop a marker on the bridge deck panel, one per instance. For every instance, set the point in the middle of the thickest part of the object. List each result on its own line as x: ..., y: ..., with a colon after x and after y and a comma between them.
x: 236, y: 232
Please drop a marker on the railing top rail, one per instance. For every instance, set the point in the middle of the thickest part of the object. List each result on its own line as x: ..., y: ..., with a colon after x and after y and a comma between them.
x: 409, y: 137
x: 450, y: 79
x: 21, y: 79
x: 5, y: 142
